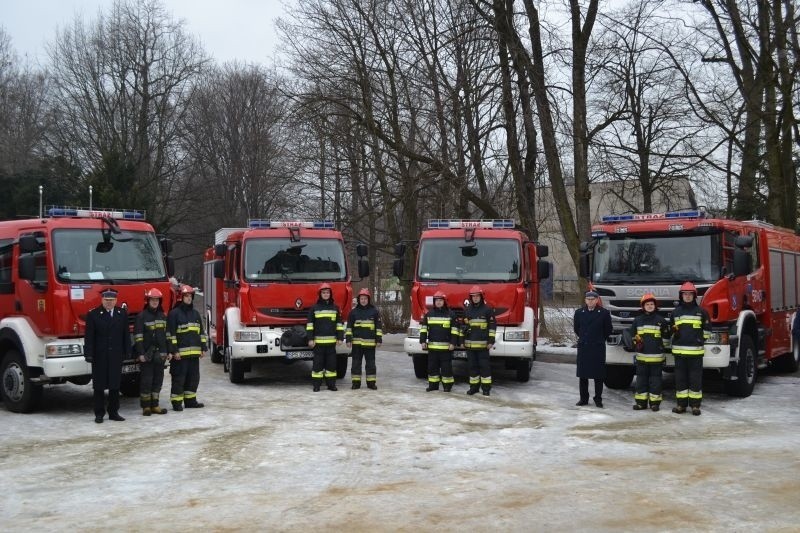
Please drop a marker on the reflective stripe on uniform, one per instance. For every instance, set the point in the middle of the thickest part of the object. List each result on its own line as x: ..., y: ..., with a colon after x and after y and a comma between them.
x: 650, y: 358
x: 688, y: 350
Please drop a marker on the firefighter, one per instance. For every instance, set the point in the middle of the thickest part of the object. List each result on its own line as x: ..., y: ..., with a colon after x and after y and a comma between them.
x: 439, y: 334
x: 364, y: 334
x: 107, y: 343
x: 187, y: 344
x: 325, y: 332
x: 592, y: 325
x: 478, y: 341
x: 690, y: 328
x: 150, y: 347
x: 648, y: 330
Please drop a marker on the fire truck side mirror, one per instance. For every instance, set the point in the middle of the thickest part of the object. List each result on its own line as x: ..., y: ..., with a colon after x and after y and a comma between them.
x: 28, y: 244
x: 543, y: 269
x: 170, y: 262
x: 363, y: 268
x: 397, y: 267
x: 219, y: 269
x: 361, y: 251
x: 584, y: 247
x: 742, y: 262
x: 399, y: 249
x: 166, y: 245
x: 219, y: 250
x: 542, y: 250
x: 584, y: 266
x: 27, y: 267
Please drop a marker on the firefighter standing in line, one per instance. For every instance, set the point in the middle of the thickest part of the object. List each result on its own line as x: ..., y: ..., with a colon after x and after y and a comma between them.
x: 439, y: 334
x: 364, y: 334
x: 690, y: 327
x: 150, y: 347
x: 325, y: 331
x: 187, y: 344
x: 647, y: 331
x: 478, y: 340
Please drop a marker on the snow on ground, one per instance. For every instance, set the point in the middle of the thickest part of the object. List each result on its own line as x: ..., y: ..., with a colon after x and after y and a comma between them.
x: 271, y: 455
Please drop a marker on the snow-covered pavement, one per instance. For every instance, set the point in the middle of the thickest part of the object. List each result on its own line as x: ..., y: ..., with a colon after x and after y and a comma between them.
x: 270, y: 455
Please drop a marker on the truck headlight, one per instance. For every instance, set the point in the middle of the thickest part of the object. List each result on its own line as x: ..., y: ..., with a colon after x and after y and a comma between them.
x: 413, y: 332
x: 62, y: 350
x: 247, y: 335
x: 520, y: 335
x: 717, y: 337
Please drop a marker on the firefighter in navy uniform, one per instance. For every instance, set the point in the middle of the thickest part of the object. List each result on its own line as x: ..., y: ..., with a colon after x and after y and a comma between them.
x: 690, y: 328
x: 648, y: 331
x: 325, y: 332
x: 150, y: 348
x: 363, y: 335
x: 480, y: 326
x: 187, y: 344
x: 439, y: 334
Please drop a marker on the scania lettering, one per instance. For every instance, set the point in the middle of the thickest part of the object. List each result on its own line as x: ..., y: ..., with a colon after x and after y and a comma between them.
x: 453, y: 255
x: 52, y: 270
x: 259, y: 284
x: 747, y: 275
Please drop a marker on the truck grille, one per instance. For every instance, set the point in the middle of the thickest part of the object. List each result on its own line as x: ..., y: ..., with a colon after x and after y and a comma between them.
x: 284, y: 312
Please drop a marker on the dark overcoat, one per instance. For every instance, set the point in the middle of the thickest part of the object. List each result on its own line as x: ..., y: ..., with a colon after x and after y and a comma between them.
x: 106, y: 344
x: 592, y: 329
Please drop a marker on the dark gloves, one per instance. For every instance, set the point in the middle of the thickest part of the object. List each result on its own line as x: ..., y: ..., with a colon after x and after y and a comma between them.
x: 88, y: 358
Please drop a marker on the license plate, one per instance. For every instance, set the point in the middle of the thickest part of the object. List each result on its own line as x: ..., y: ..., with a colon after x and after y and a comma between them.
x: 297, y: 355
x: 459, y: 354
x: 129, y: 369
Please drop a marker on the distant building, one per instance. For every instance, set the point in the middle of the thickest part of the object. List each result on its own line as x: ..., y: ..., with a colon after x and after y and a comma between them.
x: 607, y: 198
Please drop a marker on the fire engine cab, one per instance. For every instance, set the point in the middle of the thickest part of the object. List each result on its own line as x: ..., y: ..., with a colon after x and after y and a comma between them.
x: 260, y: 283
x: 747, y: 275
x: 452, y: 256
x: 52, y: 271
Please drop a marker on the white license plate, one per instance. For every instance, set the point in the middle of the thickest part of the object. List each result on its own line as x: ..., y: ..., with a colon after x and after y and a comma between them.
x: 129, y: 369
x: 459, y: 354
x: 297, y: 355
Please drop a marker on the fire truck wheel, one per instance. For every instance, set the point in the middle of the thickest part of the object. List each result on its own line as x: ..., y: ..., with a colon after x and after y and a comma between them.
x: 619, y: 376
x: 19, y: 394
x: 216, y: 354
x: 129, y: 386
x: 341, y: 366
x: 420, y: 365
x: 791, y: 361
x: 524, y: 370
x: 236, y: 371
x: 746, y: 371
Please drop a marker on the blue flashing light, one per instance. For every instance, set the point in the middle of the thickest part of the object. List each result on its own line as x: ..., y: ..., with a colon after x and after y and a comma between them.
x: 616, y: 218
x: 81, y: 212
x: 446, y: 223
x: 684, y: 214
x: 256, y: 223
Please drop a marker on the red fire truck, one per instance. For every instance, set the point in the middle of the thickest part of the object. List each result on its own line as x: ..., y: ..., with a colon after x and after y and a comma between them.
x: 454, y: 255
x: 52, y: 270
x: 260, y: 283
x: 747, y: 276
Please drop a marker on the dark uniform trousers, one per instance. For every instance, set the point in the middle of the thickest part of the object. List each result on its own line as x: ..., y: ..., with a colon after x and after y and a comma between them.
x: 583, y: 389
x: 440, y: 359
x: 689, y: 381
x: 479, y: 365
x: 100, y: 402
x: 151, y: 378
x: 324, y: 360
x: 185, y: 378
x: 648, y: 383
x: 368, y: 354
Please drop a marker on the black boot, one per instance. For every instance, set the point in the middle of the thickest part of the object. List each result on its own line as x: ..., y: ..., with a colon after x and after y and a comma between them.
x: 331, y: 384
x: 640, y: 405
x: 486, y: 389
x: 582, y: 402
x: 192, y: 403
x: 473, y: 389
x: 598, y: 402
x: 177, y: 406
x: 432, y: 386
x: 655, y: 406
x: 317, y: 385
x: 447, y: 387
x: 356, y: 385
x: 680, y: 409
x: 696, y: 410
x: 372, y: 385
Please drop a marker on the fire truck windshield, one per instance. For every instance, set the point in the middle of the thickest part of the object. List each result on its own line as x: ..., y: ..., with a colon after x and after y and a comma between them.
x: 281, y: 259
x: 78, y: 258
x: 643, y: 259
x: 478, y: 260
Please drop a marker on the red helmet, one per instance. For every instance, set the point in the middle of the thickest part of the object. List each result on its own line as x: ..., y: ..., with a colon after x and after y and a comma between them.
x: 187, y: 289
x: 475, y: 290
x: 324, y: 286
x: 439, y: 295
x: 687, y: 287
x: 648, y: 297
x: 364, y: 292
x: 153, y: 293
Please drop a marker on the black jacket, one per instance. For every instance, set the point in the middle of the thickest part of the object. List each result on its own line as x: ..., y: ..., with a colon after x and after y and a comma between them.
x: 690, y: 326
x: 324, y: 325
x: 480, y: 326
x: 150, y: 333
x: 651, y: 329
x: 185, y: 335
x: 438, y: 329
x: 106, y: 344
x: 592, y: 329
x: 364, y: 326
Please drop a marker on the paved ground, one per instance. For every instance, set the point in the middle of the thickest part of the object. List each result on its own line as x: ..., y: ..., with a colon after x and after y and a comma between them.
x: 271, y: 455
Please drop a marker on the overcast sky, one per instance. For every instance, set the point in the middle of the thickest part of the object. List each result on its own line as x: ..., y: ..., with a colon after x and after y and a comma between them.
x: 229, y: 29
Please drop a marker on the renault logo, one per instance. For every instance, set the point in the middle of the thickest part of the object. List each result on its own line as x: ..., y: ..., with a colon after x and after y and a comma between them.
x: 298, y: 303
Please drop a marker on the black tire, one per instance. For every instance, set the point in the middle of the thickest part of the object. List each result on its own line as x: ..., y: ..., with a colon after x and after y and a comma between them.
x: 746, y: 370
x: 236, y: 371
x: 129, y: 385
x: 523, y: 367
x: 341, y: 366
x: 19, y: 394
x: 420, y: 365
x: 789, y: 362
x: 216, y: 354
x: 619, y: 376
